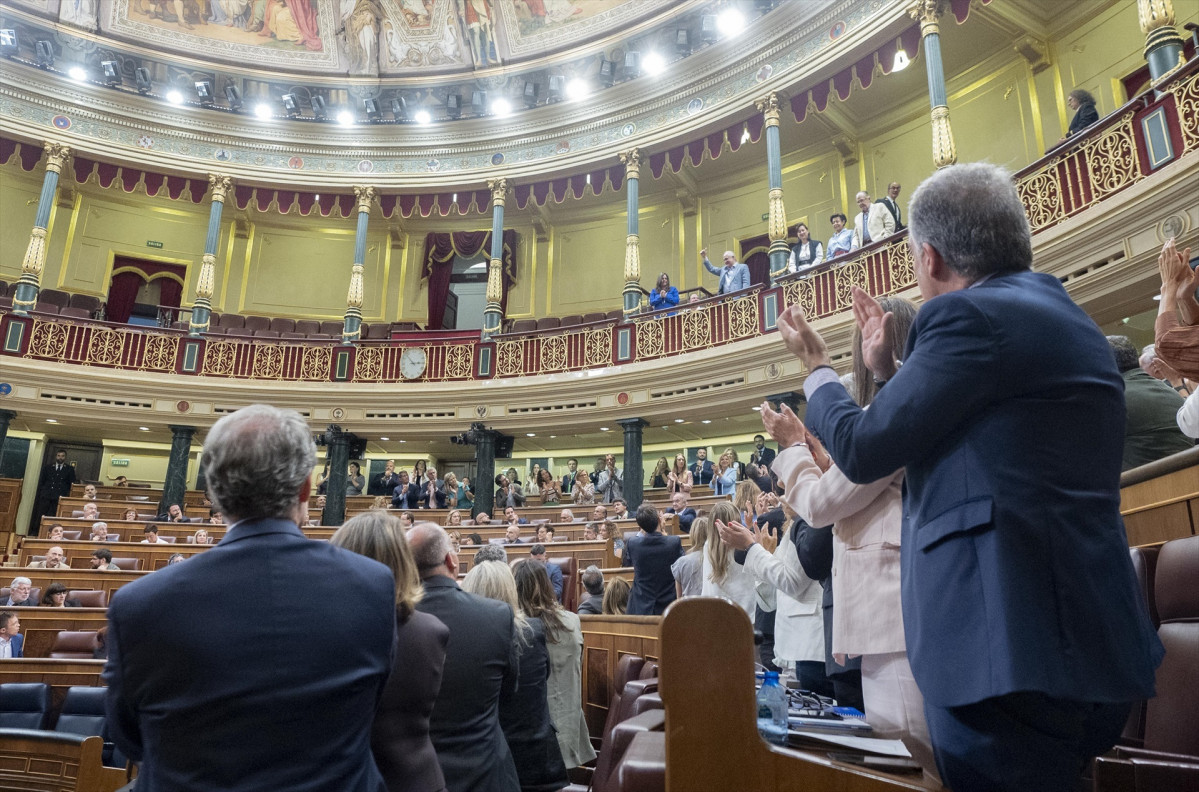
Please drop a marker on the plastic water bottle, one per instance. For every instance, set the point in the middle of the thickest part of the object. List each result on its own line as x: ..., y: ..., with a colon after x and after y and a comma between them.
x: 772, y: 710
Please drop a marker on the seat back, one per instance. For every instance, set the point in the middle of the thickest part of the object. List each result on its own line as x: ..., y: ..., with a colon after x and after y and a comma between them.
x: 88, y: 302
x: 258, y: 323
x: 229, y: 321
x: 82, y: 712
x: 331, y: 327
x: 524, y: 325
x: 570, y: 580
x: 1170, y: 716
x: 379, y: 331
x: 24, y: 705
x: 44, y: 307
x: 54, y: 297
x: 72, y: 535
x: 571, y: 320
x: 594, y: 317
x: 624, y: 707
x: 74, y: 645
x: 549, y: 323
x: 283, y: 324
x: 128, y: 564
x: 266, y: 333
x: 75, y: 313
x: 307, y: 326
x: 89, y: 598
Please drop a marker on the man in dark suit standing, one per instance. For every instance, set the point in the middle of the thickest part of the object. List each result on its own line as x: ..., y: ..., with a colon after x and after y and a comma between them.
x: 650, y: 554
x: 406, y: 494
x: 593, y: 583
x: 243, y: 644
x: 55, y: 482
x: 385, y: 482
x: 1024, y: 627
x: 568, y: 480
x: 481, y: 667
x: 891, y: 202
x: 701, y: 471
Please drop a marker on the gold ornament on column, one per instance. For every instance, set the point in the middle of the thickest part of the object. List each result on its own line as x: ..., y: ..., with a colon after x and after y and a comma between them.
x: 777, y: 226
x: 768, y: 106
x: 1154, y: 14
x: 204, y: 283
x: 631, y: 160
x: 219, y: 186
x: 495, y: 284
x: 57, y: 155
x: 366, y: 198
x: 632, y: 258
x: 944, y: 151
x: 928, y: 13
x: 35, y: 253
x: 354, y: 297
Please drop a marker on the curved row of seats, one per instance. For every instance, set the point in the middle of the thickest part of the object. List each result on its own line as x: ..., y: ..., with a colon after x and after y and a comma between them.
x: 57, y: 302
x: 554, y: 322
x: 27, y: 705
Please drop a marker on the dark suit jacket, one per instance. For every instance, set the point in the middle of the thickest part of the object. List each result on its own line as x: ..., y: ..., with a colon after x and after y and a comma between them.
x: 481, y: 662
x: 650, y: 556
x: 686, y: 517
x: 53, y: 483
x: 1083, y: 118
x: 408, y: 500
x: 525, y: 719
x: 555, y: 579
x: 18, y: 646
x: 438, y: 495
x: 243, y: 645
x: 400, y: 737
x: 382, y: 484
x: 568, y: 483
x: 518, y: 498
x: 1008, y: 416
x: 701, y: 473
x: 763, y: 457
x: 594, y: 604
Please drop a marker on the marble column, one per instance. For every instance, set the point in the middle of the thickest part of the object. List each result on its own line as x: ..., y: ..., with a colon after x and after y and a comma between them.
x: 353, y: 319
x: 218, y: 191
x: 632, y: 245
x: 928, y: 13
x: 634, y: 471
x: 338, y: 444
x: 175, y: 485
x: 1163, y: 45
x: 6, y: 417
x: 777, y: 225
x: 493, y: 314
x: 484, y: 471
x: 30, y: 283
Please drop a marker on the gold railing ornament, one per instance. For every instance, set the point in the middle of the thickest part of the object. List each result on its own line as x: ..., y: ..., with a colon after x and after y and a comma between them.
x: 944, y: 151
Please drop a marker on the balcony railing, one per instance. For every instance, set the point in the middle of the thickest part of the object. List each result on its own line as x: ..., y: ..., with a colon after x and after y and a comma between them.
x: 1145, y: 135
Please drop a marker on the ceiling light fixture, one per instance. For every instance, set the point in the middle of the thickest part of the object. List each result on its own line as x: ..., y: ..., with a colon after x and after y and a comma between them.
x: 577, y: 89
x: 423, y: 118
x: 77, y: 73
x: 706, y: 421
x: 730, y: 22
x: 603, y: 428
x: 530, y: 434
x: 384, y: 439
x: 51, y: 420
x: 678, y: 420
x: 144, y: 428
x: 653, y: 64
x: 345, y: 118
x: 263, y: 111
x: 501, y: 107
x: 901, y: 60
x: 174, y: 97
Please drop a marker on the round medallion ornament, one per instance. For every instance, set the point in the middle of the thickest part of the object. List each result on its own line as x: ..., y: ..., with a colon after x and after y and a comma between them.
x: 337, y: 413
x: 622, y: 398
x: 5, y: 389
x: 836, y: 31
x: 145, y: 141
x: 774, y: 371
x: 563, y: 147
x: 695, y: 105
x: 433, y: 165
x: 365, y: 166
x: 764, y: 73
x: 183, y: 406
x: 61, y: 122
x: 481, y: 411
x: 497, y: 158
x: 222, y: 155
x: 628, y: 129
x: 295, y: 163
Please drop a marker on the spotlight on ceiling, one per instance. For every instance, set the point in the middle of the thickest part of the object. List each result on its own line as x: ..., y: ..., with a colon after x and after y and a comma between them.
x: 577, y: 89
x: 423, y: 117
x: 110, y: 72
x: 557, y: 87
x: 730, y: 22
x: 8, y: 41
x: 371, y: 106
x: 175, y: 97
x: 77, y: 73
x: 141, y: 77
x: 682, y: 41
x: 478, y: 102
x: 453, y: 105
x: 707, y: 29
x: 901, y: 60
x: 44, y: 51
x: 765, y: 5
x: 204, y: 92
x: 318, y: 106
x: 531, y: 92
x: 233, y: 97
x: 263, y: 111
x: 653, y: 63
x: 501, y: 107
x: 632, y: 65
x: 345, y: 118
x: 291, y: 105
x: 399, y: 108
x: 607, y: 73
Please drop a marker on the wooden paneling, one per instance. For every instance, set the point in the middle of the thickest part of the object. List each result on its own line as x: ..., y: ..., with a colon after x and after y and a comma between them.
x: 85, y: 579
x: 41, y: 625
x: 78, y: 554
x: 1161, y: 508
x: 10, y: 501
x: 605, y: 640
x: 56, y: 763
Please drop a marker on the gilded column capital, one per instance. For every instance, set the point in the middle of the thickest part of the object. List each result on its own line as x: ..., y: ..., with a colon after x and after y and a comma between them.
x: 928, y: 14
x: 219, y: 186
x: 57, y: 155
x: 366, y: 198
x: 499, y: 191
x: 631, y: 160
x: 1155, y: 14
x: 769, y: 107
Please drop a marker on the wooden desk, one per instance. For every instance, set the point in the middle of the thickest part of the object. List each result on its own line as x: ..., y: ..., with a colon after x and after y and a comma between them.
x: 606, y: 639
x: 51, y: 762
x: 78, y: 554
x: 10, y: 502
x: 585, y: 553
x: 1160, y: 501
x: 133, y: 529
x: 41, y: 625
x: 85, y: 579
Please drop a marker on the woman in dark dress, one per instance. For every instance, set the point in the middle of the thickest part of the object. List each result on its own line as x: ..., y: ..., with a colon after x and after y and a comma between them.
x: 400, y: 735
x: 525, y: 714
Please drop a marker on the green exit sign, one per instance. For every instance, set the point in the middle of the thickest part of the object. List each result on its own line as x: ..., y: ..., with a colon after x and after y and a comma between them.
x: 153, y: 243
x: 120, y: 462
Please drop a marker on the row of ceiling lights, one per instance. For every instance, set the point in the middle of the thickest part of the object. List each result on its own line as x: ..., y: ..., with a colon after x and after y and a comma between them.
x: 728, y: 23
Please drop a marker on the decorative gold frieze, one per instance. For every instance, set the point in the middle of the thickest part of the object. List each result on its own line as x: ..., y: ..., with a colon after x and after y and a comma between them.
x: 850, y: 275
x: 268, y: 361
x: 315, y: 362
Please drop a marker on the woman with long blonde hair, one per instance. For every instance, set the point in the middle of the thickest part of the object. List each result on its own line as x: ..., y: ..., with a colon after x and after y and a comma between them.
x: 724, y: 480
x: 722, y: 577
x: 688, y: 569
x: 745, y: 500
x: 400, y: 734
x: 679, y: 478
x: 525, y: 717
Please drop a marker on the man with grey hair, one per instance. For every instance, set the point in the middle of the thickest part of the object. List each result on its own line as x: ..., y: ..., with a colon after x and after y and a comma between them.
x: 874, y: 222
x: 20, y: 593
x: 481, y: 667
x: 242, y: 643
x: 593, y: 582
x: 1024, y: 627
x: 734, y: 276
x: 491, y: 552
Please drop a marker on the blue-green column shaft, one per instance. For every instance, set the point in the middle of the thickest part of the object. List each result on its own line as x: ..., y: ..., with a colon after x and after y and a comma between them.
x: 632, y: 248
x: 944, y: 151
x: 777, y: 217
x: 30, y: 282
x: 493, y: 313
x: 202, y: 307
x: 935, y: 70
x: 352, y: 325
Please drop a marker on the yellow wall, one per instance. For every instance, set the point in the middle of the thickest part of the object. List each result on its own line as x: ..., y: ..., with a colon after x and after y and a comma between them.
x: 147, y: 462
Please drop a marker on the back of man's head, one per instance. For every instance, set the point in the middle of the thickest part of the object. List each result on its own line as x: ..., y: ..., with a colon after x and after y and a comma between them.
x: 430, y: 546
x: 1124, y: 352
x: 537, y: 550
x: 593, y: 580
x: 972, y: 215
x: 491, y: 552
x: 257, y: 460
x: 647, y: 517
x: 103, y: 553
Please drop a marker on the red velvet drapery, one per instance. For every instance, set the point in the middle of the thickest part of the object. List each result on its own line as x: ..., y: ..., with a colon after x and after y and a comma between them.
x: 440, y: 250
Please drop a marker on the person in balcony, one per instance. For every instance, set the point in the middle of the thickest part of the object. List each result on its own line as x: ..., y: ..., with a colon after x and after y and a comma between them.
x: 664, y: 295
x: 806, y: 253
x: 1085, y: 114
x: 841, y: 242
x: 734, y: 276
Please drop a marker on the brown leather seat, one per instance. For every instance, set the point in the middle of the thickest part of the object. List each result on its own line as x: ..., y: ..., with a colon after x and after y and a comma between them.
x: 293, y: 336
x: 89, y: 598
x: 332, y: 328
x: 257, y: 323
x: 266, y: 333
x: 524, y: 326
x: 624, y: 707
x: 46, y: 308
x: 74, y: 645
x: 307, y: 326
x: 88, y: 302
x: 72, y: 535
x: 571, y: 320
x: 570, y: 580
x: 75, y: 313
x: 54, y: 297
x: 283, y: 324
x: 594, y: 317
x: 549, y: 323
x: 614, y: 314
x: 1144, y: 564
x: 379, y: 332
x: 129, y: 564
x: 230, y: 321
x: 35, y: 595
